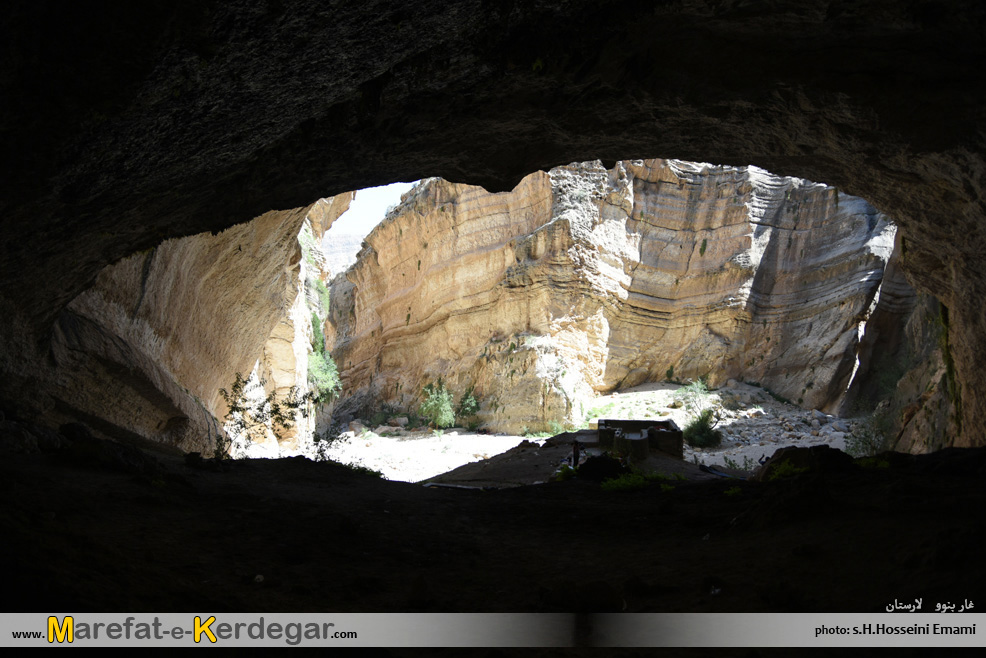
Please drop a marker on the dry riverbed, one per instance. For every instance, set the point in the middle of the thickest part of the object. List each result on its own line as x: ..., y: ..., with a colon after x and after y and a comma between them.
x: 753, y: 423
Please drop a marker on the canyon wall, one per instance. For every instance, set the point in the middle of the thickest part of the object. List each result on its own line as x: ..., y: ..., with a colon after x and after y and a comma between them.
x: 143, y: 353
x: 906, y: 377
x: 585, y: 279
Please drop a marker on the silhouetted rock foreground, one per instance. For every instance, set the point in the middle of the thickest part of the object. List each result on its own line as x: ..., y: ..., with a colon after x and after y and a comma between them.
x: 92, y: 526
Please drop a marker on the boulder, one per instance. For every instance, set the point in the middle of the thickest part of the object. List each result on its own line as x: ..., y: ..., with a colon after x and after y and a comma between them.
x: 795, y: 459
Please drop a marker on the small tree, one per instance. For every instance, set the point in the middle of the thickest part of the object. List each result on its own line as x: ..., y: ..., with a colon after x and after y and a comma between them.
x: 323, y: 377
x: 693, y: 396
x: 437, y: 407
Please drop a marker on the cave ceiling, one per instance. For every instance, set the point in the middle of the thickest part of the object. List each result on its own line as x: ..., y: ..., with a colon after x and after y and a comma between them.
x: 126, y: 125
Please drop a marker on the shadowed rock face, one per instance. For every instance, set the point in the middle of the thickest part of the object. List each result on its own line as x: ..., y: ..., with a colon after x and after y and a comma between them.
x: 126, y: 126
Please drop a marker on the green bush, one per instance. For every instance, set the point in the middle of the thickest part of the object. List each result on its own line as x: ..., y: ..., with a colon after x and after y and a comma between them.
x: 566, y: 472
x: 323, y: 377
x: 636, y: 480
x: 701, y: 432
x: 872, y: 436
x: 437, y: 407
x: 467, y: 410
x: 785, y: 470
x: 323, y: 295
x: 625, y: 482
x: 693, y: 396
x: 318, y: 336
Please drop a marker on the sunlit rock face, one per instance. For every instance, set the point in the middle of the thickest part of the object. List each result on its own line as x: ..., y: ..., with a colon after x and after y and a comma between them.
x: 585, y: 280
x: 144, y: 353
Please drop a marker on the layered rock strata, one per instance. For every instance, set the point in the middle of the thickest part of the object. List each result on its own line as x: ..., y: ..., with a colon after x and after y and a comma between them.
x: 906, y: 374
x: 143, y: 354
x: 586, y: 279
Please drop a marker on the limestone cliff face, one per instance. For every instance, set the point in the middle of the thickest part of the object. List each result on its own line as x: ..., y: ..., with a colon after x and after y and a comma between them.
x: 906, y: 368
x: 340, y: 251
x: 143, y: 353
x: 585, y: 280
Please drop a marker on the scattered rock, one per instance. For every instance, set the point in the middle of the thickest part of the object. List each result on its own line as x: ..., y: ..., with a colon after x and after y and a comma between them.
x: 388, y: 429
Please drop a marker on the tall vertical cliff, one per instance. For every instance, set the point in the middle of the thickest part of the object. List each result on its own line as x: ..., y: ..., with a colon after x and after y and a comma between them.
x: 143, y: 353
x: 582, y: 280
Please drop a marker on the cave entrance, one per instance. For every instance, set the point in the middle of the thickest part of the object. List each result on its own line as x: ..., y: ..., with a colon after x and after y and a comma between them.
x: 585, y: 292
x: 633, y: 280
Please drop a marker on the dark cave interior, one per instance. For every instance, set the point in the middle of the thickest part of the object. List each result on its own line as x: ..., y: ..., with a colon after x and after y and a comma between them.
x: 132, y: 124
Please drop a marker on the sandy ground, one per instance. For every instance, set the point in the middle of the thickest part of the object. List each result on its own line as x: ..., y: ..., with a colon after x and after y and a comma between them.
x: 754, y: 426
x: 418, y: 456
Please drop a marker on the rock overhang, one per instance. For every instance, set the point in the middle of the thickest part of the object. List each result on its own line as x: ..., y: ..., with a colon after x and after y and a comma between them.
x: 148, y: 122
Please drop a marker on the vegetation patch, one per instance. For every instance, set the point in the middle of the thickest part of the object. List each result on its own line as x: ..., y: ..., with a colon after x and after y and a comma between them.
x: 468, y: 409
x: 872, y: 436
x: 694, y: 396
x: 437, y: 406
x: 701, y: 432
x: 785, y: 470
x: 323, y: 296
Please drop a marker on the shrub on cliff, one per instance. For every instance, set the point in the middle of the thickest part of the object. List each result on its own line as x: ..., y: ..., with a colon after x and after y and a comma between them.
x: 323, y: 377
x: 468, y: 408
x: 437, y: 407
x: 318, y: 336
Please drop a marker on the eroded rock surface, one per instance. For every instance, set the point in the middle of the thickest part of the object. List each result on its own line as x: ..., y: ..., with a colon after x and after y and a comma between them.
x: 585, y: 280
x: 907, y: 373
x: 145, y: 351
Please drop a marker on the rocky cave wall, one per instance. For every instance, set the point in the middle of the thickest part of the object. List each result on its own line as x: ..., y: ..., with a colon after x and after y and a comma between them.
x: 585, y: 280
x: 143, y: 354
x: 905, y: 378
x: 127, y: 125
